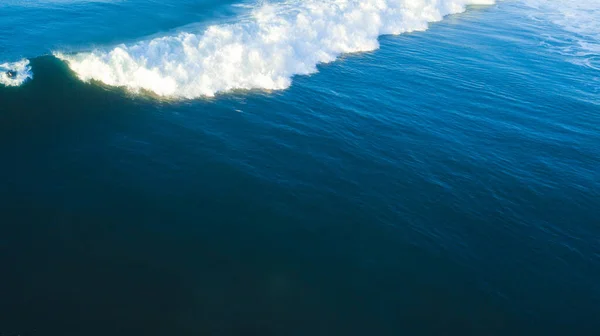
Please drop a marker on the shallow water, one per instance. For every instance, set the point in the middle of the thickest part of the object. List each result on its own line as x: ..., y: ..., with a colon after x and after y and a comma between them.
x: 444, y: 182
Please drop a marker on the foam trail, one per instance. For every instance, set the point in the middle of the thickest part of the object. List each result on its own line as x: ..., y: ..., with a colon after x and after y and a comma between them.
x: 20, y: 68
x: 579, y: 21
x: 263, y: 51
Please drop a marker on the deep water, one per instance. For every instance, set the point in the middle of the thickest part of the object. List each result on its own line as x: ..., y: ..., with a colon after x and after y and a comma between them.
x: 447, y: 183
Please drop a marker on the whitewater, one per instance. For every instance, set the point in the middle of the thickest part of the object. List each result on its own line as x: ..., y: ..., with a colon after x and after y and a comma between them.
x: 263, y: 50
x: 579, y: 35
x: 266, y: 47
x: 22, y: 69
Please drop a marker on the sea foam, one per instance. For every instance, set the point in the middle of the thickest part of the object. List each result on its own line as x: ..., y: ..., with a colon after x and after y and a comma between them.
x: 22, y: 69
x: 261, y: 51
x: 580, y: 22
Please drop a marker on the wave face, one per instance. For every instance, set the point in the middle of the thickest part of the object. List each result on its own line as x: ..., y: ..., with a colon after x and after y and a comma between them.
x: 262, y: 51
x: 22, y: 73
x: 580, y: 19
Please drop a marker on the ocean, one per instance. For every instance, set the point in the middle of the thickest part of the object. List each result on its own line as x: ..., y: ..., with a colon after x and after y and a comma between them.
x: 299, y: 167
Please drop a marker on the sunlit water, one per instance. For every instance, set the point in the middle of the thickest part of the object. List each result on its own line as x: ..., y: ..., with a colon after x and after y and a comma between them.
x: 299, y: 167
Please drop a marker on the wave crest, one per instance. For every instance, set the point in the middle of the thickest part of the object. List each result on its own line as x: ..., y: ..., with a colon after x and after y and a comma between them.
x: 263, y: 51
x: 21, y: 71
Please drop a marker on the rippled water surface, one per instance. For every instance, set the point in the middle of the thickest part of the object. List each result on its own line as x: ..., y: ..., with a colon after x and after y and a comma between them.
x: 299, y: 167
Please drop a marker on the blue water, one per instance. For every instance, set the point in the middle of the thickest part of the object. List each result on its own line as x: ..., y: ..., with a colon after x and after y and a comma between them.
x: 443, y: 182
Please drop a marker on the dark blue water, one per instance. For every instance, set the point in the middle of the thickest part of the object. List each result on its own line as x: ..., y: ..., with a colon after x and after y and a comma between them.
x: 447, y: 183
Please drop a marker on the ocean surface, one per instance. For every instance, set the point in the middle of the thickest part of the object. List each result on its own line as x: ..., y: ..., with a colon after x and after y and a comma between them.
x: 299, y: 167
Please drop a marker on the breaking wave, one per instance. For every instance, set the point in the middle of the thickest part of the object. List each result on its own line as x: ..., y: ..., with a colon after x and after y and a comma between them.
x: 16, y: 73
x: 261, y: 51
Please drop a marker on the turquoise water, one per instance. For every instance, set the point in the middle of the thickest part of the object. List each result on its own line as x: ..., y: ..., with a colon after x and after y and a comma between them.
x: 295, y: 168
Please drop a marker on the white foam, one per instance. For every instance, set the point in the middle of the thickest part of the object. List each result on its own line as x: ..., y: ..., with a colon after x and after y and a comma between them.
x: 22, y: 70
x: 579, y: 21
x: 261, y: 51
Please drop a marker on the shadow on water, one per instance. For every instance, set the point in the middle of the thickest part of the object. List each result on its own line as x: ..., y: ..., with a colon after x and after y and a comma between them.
x: 127, y: 216
x: 97, y: 245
